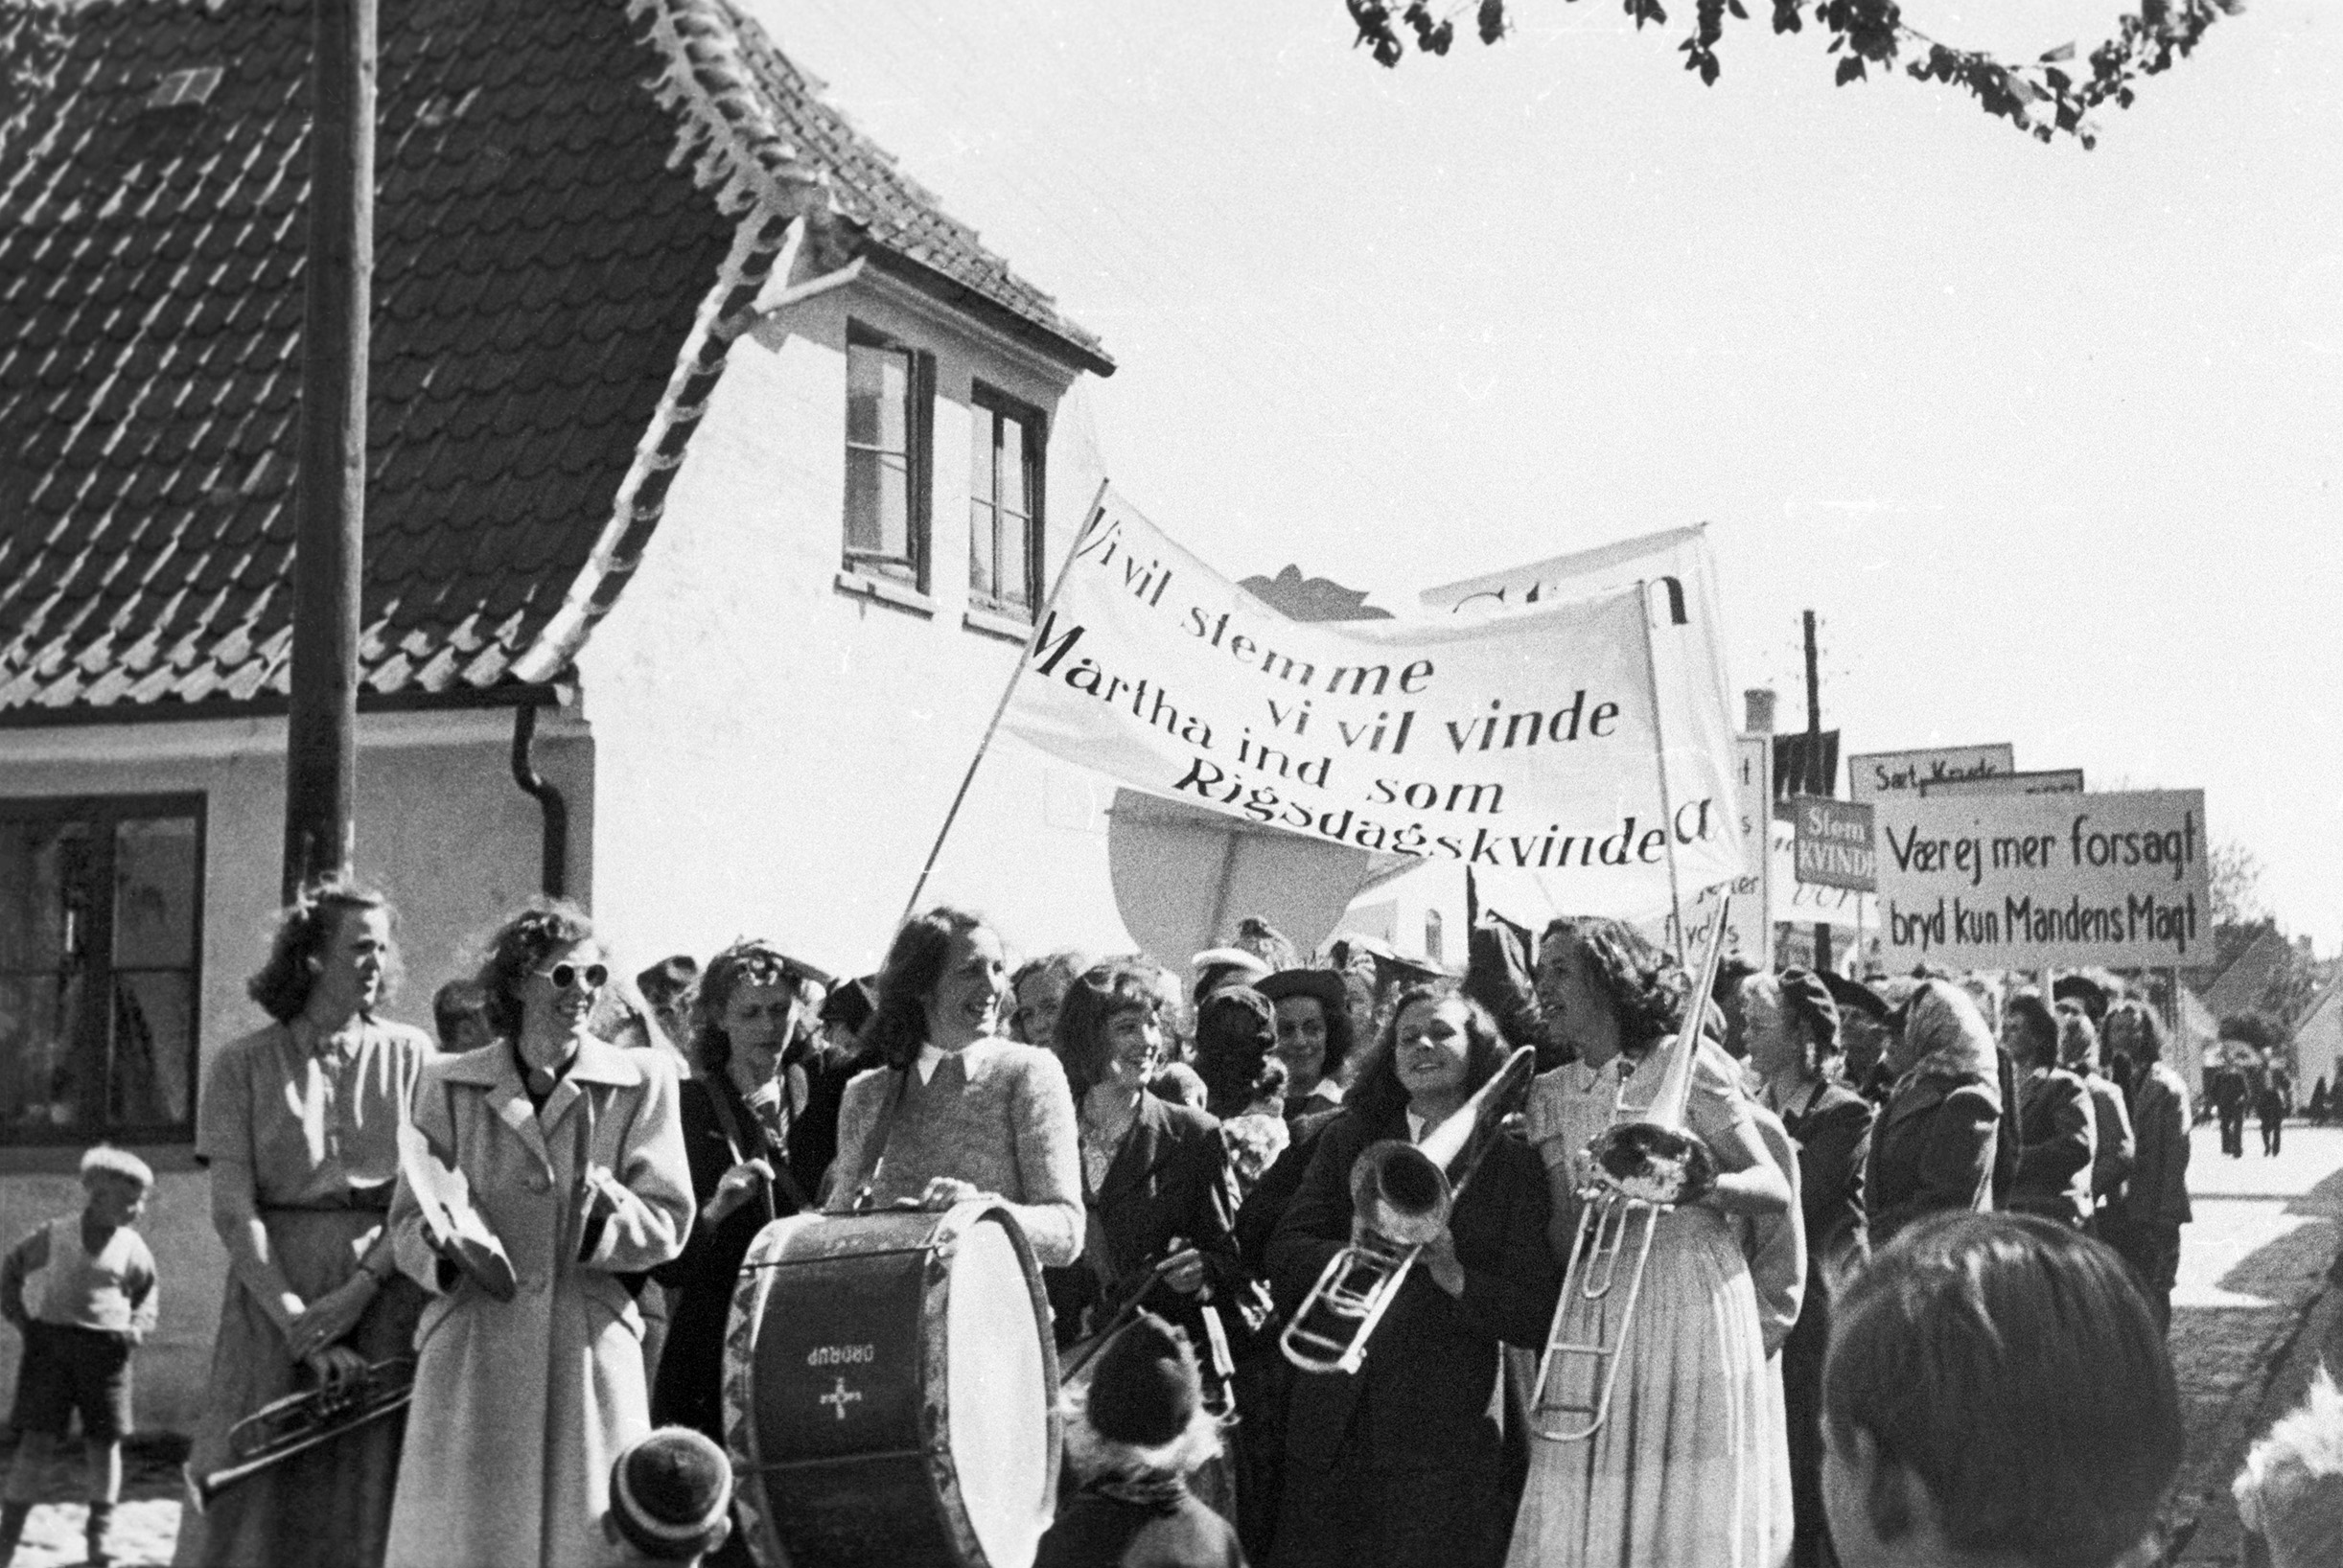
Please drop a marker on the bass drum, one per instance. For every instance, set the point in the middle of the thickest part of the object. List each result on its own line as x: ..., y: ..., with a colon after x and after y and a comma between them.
x: 890, y: 1391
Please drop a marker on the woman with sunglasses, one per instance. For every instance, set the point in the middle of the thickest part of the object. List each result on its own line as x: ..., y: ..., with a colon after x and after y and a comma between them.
x: 573, y: 1152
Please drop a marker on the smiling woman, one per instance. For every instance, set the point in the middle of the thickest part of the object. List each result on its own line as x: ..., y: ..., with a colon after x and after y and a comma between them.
x: 954, y: 1114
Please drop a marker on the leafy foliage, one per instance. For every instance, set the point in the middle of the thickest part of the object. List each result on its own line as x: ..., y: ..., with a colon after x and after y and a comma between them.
x: 2044, y: 98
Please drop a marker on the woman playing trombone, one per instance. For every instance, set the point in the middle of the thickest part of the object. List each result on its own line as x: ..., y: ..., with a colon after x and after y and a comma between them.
x: 1400, y: 1463
x: 1684, y: 1468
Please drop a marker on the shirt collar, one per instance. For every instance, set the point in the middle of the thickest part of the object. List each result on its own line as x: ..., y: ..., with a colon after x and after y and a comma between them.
x: 1415, y: 1128
x: 931, y: 1058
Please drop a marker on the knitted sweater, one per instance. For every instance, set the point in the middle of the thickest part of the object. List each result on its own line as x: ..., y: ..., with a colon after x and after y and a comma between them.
x: 1000, y: 1117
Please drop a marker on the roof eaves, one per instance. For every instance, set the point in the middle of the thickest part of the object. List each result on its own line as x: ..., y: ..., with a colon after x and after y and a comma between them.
x: 1079, y: 353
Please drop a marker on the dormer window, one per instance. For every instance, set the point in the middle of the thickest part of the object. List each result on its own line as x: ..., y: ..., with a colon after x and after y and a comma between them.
x: 1005, y: 544
x: 889, y: 393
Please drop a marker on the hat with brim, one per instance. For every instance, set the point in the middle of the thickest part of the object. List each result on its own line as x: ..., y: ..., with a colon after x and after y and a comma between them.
x: 1854, y: 997
x: 1217, y: 963
x: 1323, y: 985
x: 2080, y: 988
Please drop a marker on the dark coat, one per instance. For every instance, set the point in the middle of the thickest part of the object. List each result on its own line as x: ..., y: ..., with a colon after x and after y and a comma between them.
x: 2008, y: 1147
x: 2158, y: 1197
x: 1932, y: 1149
x: 1273, y: 1194
x: 2061, y: 1140
x: 1095, y: 1531
x: 1431, y: 1396
x: 1830, y: 1129
x: 689, y: 1388
x: 1170, y: 1179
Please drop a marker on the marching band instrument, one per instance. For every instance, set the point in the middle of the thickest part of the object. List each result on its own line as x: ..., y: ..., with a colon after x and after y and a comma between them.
x: 890, y: 1390
x: 1639, y: 1171
x: 298, y: 1422
x: 1401, y: 1195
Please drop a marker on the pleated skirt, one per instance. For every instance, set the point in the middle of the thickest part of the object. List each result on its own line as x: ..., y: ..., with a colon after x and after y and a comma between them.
x: 1691, y: 1465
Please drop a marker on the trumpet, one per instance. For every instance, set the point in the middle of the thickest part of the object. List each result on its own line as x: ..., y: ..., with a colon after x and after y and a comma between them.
x: 1637, y: 1171
x: 298, y: 1422
x: 1401, y: 1194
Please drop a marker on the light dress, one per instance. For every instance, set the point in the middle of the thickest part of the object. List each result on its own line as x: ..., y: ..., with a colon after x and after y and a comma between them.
x: 1683, y: 1471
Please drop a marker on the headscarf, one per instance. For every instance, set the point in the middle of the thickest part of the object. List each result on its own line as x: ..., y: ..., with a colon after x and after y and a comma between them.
x: 1951, y: 1036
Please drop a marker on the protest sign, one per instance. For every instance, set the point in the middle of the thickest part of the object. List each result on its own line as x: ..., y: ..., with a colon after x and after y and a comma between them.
x: 1748, y: 920
x: 2032, y: 881
x: 2048, y: 781
x: 1889, y: 773
x: 1528, y: 742
x: 1810, y: 902
x: 1832, y: 844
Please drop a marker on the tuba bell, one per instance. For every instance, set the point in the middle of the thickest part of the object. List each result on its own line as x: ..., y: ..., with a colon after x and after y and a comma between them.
x: 1401, y: 1195
x: 1637, y: 1171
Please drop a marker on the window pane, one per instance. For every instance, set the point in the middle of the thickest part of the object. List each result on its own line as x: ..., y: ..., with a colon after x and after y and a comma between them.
x: 154, y: 893
x: 878, y: 505
x: 1014, y: 572
x: 1014, y: 473
x: 983, y: 521
x: 45, y: 871
x: 154, y: 1017
x: 981, y: 422
x: 878, y: 397
x: 40, y: 1016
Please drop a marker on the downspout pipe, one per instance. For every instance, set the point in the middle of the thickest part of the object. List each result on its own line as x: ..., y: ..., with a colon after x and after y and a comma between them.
x: 554, y: 855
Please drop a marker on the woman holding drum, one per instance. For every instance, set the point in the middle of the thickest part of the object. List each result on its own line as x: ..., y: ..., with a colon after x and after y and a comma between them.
x: 527, y: 1387
x: 1687, y: 1468
x: 1401, y: 1464
x: 954, y: 1113
x: 299, y: 1123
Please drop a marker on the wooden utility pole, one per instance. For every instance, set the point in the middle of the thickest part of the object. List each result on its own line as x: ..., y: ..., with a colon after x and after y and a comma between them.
x: 330, y: 495
x: 1818, y: 780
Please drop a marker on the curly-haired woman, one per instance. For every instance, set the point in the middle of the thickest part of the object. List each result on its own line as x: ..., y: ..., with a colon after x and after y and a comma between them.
x: 298, y: 1124
x: 1402, y: 1464
x: 746, y: 1119
x: 952, y: 1112
x: 1686, y: 1470
x: 573, y: 1151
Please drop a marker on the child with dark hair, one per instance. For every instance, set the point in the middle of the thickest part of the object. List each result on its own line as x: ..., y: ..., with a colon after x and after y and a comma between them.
x: 459, y: 1016
x: 1997, y: 1391
x: 670, y: 1498
x: 1135, y: 1430
x: 97, y: 1305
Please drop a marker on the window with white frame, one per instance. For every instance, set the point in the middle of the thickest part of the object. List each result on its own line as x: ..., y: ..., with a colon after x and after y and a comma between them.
x: 890, y: 395
x: 1004, y: 485
x: 100, y: 947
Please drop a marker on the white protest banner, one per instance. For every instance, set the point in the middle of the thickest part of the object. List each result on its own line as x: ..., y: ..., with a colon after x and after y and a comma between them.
x: 1687, y: 649
x: 1879, y: 774
x: 2035, y: 881
x: 1525, y: 743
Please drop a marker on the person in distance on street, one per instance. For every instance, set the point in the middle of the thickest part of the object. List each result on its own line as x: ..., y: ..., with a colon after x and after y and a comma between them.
x: 2061, y: 1133
x: 2272, y: 1101
x: 1997, y: 1393
x: 670, y: 1499
x: 1135, y: 1429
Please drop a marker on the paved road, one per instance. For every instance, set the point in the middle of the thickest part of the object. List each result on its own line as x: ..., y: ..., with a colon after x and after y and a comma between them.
x: 2267, y: 1230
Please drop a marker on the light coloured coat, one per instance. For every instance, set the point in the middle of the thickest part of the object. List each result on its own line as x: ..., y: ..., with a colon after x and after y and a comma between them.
x: 521, y: 1407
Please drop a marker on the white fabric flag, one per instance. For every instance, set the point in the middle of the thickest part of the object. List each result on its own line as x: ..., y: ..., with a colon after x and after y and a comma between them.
x: 1523, y: 741
x: 1688, y: 656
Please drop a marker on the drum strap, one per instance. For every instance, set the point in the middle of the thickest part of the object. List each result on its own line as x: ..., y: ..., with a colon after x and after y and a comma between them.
x: 874, y: 1148
x: 724, y: 1095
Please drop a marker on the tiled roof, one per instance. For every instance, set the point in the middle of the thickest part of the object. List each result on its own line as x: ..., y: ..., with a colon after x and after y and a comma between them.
x: 575, y: 199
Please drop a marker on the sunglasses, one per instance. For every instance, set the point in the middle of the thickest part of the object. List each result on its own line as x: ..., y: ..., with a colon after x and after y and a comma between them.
x: 565, y: 974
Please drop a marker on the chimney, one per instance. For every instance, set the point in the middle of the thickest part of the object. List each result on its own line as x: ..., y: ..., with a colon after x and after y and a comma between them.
x: 1760, y: 701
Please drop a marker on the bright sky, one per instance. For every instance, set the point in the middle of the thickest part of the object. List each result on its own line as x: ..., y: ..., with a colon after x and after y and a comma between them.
x: 2050, y: 439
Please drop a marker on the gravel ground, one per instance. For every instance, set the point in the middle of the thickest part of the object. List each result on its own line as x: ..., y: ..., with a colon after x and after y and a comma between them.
x: 146, y: 1522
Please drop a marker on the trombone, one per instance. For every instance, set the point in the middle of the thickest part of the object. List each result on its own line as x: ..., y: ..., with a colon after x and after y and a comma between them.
x: 1400, y: 1193
x: 1639, y: 1171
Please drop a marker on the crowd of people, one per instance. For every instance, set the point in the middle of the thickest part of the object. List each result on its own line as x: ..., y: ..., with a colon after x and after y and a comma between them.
x: 1918, y: 1311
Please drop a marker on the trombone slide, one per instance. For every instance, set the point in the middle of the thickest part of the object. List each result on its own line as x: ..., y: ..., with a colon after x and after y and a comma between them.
x: 1356, y: 1288
x: 1563, y: 1415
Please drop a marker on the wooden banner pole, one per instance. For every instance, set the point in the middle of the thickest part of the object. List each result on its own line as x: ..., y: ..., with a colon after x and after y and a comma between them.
x: 1660, y: 757
x: 1098, y: 507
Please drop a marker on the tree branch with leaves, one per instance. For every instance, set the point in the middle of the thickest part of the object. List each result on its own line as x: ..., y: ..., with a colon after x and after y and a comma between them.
x: 2044, y: 96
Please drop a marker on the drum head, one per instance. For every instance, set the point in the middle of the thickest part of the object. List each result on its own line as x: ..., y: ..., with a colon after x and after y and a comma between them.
x: 1000, y: 1394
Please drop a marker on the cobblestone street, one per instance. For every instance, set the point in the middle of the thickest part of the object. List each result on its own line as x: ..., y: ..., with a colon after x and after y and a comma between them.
x: 2251, y: 1268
